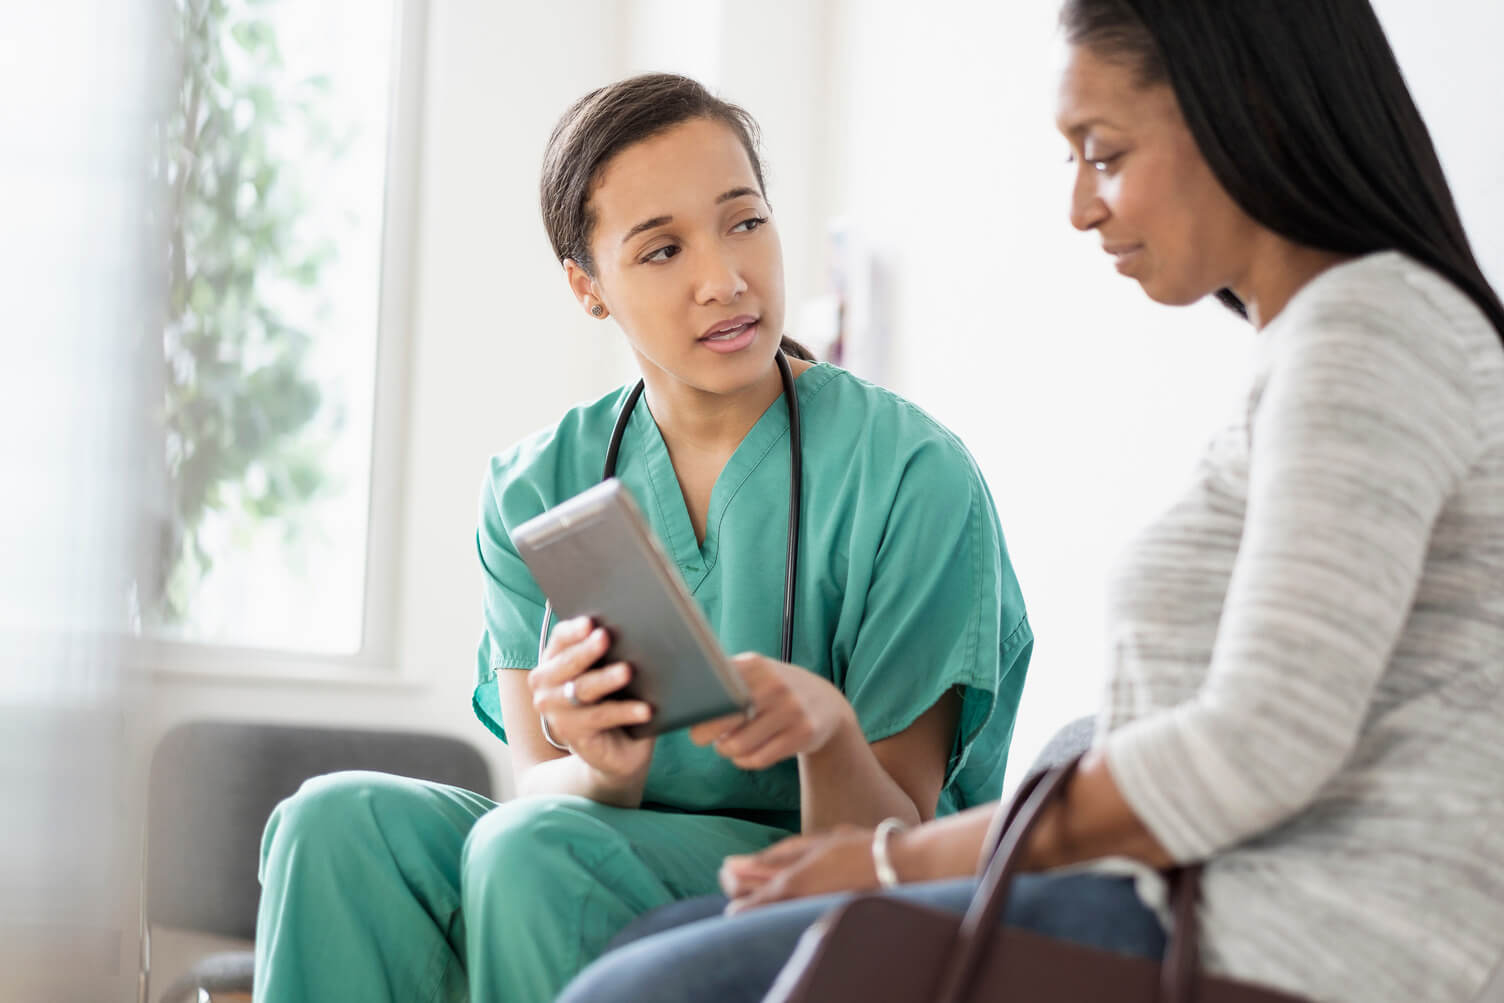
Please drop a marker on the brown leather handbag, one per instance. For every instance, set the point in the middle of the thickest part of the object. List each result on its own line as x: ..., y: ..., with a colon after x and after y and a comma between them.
x: 881, y: 950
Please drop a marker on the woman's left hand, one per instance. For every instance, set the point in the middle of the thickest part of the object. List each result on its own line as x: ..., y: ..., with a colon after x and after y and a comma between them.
x: 794, y: 712
x: 839, y: 860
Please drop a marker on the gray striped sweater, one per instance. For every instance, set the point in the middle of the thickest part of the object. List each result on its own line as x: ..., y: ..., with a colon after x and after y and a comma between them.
x: 1307, y: 650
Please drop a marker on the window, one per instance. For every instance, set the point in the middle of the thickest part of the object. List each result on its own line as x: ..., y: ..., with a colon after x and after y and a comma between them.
x: 280, y: 191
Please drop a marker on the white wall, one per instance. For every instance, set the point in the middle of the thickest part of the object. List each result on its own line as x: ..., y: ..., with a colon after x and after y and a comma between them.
x: 929, y: 126
x: 1448, y: 50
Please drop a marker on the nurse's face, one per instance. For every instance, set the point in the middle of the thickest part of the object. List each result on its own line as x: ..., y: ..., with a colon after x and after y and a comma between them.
x: 1143, y: 186
x: 688, y: 259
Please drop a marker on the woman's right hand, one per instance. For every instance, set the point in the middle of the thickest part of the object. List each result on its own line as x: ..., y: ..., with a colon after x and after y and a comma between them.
x: 590, y: 724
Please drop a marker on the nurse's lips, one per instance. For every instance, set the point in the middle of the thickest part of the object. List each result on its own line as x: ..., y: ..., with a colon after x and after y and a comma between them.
x: 730, y: 335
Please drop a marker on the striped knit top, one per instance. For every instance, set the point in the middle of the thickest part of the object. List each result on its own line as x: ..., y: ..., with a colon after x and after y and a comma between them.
x: 1307, y: 650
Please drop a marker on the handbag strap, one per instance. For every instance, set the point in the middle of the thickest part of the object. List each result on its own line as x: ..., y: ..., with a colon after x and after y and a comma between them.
x: 1012, y: 825
x: 1009, y: 833
x: 1003, y: 817
x: 1177, y: 975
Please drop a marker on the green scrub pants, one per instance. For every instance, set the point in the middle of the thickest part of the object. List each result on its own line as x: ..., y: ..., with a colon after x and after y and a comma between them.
x: 376, y: 887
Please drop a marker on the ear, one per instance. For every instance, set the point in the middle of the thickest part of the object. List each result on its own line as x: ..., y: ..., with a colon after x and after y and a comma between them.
x: 585, y: 290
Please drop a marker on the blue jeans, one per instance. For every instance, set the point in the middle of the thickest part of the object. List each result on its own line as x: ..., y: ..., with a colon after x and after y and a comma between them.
x: 688, y: 951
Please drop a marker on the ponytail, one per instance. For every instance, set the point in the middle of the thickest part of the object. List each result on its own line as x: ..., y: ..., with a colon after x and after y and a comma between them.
x: 794, y: 350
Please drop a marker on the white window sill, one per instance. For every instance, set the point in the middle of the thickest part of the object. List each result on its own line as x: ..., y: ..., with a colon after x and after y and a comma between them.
x: 179, y: 662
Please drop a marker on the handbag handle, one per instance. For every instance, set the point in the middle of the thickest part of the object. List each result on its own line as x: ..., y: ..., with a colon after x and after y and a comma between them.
x: 1011, y: 828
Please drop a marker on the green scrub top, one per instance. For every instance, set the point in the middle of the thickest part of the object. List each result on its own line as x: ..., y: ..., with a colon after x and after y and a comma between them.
x: 905, y: 589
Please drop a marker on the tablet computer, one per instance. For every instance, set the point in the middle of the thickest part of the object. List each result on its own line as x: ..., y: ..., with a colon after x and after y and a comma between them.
x: 595, y: 556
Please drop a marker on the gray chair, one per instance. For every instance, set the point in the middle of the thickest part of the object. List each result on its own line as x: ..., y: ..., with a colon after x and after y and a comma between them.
x: 212, y: 786
x: 1071, y: 740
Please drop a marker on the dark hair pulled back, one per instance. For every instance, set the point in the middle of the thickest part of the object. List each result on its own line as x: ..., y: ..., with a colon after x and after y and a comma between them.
x: 605, y: 122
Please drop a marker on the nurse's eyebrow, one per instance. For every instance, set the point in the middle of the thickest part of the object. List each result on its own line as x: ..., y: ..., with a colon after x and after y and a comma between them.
x: 736, y: 193
x: 657, y: 221
x: 647, y: 224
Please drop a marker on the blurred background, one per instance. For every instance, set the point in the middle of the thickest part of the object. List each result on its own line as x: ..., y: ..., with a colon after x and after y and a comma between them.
x: 275, y: 286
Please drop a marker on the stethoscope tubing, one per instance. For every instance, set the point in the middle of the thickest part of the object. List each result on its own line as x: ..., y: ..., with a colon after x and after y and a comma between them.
x: 796, y: 496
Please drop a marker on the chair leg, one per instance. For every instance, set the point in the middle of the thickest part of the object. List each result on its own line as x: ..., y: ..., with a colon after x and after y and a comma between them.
x: 143, y: 975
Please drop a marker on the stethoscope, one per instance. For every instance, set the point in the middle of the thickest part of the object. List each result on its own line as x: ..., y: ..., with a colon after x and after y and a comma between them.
x: 796, y: 491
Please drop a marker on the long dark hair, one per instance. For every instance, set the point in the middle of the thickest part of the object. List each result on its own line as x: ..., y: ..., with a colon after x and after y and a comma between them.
x: 608, y: 120
x: 1301, y: 111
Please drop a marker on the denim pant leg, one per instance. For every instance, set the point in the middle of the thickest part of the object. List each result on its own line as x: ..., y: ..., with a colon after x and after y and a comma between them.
x: 735, y: 959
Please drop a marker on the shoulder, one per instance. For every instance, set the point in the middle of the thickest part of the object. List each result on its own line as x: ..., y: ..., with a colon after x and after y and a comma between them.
x: 552, y: 463
x: 1384, y: 309
x: 888, y: 433
x: 1380, y: 362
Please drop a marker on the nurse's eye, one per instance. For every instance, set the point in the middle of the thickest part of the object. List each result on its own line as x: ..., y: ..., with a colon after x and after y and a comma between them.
x: 661, y: 254
x: 749, y: 224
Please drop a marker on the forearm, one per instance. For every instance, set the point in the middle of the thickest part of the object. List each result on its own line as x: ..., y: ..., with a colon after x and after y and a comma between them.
x: 843, y: 782
x: 572, y: 775
x: 1091, y: 820
x: 945, y: 848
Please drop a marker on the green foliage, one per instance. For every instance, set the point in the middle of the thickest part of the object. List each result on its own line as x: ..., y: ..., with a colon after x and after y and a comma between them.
x: 239, y: 406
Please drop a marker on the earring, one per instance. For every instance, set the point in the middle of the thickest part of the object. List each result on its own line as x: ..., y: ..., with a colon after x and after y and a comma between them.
x: 597, y: 311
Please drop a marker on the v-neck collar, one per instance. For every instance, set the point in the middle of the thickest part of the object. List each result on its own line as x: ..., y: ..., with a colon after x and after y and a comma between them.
x: 696, y: 560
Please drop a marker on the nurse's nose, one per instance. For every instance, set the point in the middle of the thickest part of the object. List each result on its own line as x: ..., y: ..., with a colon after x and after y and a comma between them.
x: 718, y: 277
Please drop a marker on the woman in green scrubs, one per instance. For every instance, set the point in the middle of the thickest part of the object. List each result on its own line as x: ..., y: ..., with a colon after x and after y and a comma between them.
x: 910, y: 640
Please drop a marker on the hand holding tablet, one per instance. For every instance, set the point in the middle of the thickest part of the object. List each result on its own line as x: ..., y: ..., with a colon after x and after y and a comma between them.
x: 594, y: 556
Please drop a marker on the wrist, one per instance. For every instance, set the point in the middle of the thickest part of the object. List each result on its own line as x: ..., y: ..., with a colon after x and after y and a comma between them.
x: 845, y: 737
x: 907, y: 855
x: 942, y: 848
x: 621, y: 790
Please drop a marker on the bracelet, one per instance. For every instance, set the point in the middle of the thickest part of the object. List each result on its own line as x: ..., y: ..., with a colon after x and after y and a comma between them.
x: 887, y: 877
x: 543, y: 720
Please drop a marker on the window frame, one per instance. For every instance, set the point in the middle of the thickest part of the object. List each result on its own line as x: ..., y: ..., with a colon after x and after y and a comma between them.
x: 375, y: 661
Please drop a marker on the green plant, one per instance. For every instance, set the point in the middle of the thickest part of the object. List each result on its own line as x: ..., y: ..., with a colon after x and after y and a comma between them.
x: 244, y: 293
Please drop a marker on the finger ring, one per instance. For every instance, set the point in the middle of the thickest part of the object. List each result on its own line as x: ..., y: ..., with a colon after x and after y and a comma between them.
x: 751, y: 712
x: 571, y: 695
